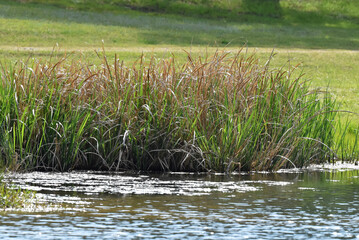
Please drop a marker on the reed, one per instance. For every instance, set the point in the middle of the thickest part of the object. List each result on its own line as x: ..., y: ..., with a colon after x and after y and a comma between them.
x: 215, y: 113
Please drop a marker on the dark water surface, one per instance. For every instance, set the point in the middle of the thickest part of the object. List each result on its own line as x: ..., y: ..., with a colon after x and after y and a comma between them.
x: 94, y: 205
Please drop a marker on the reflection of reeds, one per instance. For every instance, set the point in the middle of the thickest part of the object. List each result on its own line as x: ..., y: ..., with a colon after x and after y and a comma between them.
x: 218, y: 113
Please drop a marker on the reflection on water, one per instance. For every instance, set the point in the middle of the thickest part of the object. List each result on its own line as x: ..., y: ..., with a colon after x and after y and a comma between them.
x: 301, y: 205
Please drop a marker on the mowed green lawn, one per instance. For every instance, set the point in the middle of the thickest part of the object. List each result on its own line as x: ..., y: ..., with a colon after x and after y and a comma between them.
x: 44, y: 25
x: 325, y: 43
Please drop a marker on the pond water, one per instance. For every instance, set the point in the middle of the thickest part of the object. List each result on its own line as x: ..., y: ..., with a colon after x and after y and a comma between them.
x: 305, y: 204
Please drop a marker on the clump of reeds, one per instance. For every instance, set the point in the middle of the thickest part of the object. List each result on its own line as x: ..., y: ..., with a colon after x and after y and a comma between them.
x: 219, y: 113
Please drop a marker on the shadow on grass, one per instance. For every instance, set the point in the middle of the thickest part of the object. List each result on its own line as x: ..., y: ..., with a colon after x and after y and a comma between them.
x: 256, y: 31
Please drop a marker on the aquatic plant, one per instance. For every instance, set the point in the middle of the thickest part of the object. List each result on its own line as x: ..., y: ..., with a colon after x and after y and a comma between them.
x: 215, y: 113
x: 14, y: 197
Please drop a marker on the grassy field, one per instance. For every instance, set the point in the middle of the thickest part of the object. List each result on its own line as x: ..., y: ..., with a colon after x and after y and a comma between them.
x: 39, y: 25
x: 321, y: 35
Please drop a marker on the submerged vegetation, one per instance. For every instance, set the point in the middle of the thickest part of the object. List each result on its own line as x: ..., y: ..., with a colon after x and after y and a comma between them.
x: 215, y: 113
x: 11, y: 197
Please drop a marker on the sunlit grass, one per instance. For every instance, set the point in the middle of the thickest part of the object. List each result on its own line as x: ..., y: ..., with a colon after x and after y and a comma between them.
x: 43, y: 26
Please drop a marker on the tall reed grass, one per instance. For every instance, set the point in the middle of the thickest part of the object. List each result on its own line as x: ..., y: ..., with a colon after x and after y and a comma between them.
x: 218, y: 113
